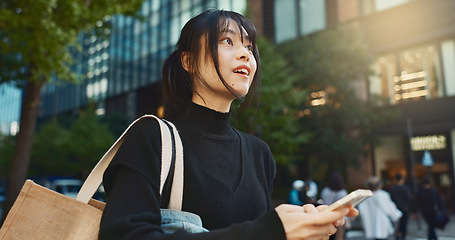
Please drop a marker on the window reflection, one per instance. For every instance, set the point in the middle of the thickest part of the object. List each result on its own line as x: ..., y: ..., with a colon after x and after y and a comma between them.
x: 294, y: 18
x: 410, y: 75
x: 285, y: 20
x: 387, y: 69
x: 419, y: 75
x: 312, y: 16
x: 448, y: 64
x: 381, y: 5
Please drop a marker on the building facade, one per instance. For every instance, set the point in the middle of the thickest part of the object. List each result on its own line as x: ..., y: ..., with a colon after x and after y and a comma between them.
x: 414, y: 45
x: 415, y: 70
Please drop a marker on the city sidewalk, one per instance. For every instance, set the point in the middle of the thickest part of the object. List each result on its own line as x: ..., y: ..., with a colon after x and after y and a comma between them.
x: 417, y: 230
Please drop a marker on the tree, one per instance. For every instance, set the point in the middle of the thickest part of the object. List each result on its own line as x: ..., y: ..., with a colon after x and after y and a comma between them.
x: 36, y: 38
x: 87, y: 141
x: 49, y: 152
x: 275, y: 120
x: 71, y: 151
x: 331, y: 64
x: 6, y: 154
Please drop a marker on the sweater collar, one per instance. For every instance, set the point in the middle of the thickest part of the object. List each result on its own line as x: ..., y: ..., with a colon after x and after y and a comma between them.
x: 207, y: 120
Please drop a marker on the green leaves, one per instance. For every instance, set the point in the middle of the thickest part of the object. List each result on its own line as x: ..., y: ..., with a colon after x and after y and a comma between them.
x: 70, y: 151
x: 89, y: 139
x: 336, y: 62
x: 275, y: 120
x: 7, y: 144
x: 49, y: 156
x: 42, y: 31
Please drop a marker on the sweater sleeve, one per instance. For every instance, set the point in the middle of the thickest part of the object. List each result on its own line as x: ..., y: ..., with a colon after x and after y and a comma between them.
x: 133, y: 206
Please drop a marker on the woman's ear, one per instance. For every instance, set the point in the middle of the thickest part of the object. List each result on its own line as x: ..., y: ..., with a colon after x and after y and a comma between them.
x: 185, y: 59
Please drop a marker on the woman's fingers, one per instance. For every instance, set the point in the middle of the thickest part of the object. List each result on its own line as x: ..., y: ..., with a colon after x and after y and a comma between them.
x: 290, y: 208
x: 327, y: 229
x: 321, y: 207
x: 353, y: 212
x: 339, y: 223
x: 329, y: 217
x: 310, y: 208
x: 307, y: 222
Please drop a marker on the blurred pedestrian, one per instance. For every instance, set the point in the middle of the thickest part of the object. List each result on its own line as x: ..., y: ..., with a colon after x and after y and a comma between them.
x: 401, y: 196
x: 378, y: 212
x: 297, y: 194
x: 311, y: 190
x: 429, y: 202
x: 332, y: 193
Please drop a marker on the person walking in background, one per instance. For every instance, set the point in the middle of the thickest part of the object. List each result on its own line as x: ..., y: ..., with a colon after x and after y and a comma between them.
x: 401, y: 196
x: 331, y: 193
x: 311, y: 190
x: 378, y: 212
x: 297, y: 194
x: 428, y: 201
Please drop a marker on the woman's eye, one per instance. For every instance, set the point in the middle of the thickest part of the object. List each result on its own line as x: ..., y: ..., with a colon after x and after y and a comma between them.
x: 227, y: 41
x: 249, y: 48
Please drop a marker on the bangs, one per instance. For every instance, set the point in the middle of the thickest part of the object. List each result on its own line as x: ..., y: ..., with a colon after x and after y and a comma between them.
x: 243, y: 24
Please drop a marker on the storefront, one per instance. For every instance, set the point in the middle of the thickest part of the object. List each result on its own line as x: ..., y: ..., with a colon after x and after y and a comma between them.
x: 420, y: 143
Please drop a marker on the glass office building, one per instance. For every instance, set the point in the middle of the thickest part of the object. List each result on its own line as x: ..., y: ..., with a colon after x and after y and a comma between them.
x: 123, y: 72
x: 10, y: 108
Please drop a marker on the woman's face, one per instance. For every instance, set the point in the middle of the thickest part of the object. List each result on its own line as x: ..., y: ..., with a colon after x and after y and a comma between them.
x: 237, y: 66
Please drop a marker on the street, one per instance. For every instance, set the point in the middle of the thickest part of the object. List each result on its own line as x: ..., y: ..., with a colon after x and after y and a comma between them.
x: 417, y: 230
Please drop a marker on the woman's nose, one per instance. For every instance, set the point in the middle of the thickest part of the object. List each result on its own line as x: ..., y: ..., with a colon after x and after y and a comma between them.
x: 243, y: 54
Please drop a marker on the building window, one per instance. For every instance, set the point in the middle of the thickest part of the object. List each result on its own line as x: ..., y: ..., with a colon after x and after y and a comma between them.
x: 420, y: 75
x: 367, y: 7
x: 223, y: 4
x: 380, y: 83
x: 294, y: 18
x: 239, y: 6
x: 10, y: 110
x: 409, y: 75
x: 381, y: 5
x: 448, y: 62
x: 285, y: 20
x: 312, y: 16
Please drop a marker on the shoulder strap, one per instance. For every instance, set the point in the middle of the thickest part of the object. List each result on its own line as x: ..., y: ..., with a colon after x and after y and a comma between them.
x: 95, y: 177
x: 177, y: 183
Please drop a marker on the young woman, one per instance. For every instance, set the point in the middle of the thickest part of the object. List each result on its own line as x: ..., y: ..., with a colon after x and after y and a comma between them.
x: 228, y: 174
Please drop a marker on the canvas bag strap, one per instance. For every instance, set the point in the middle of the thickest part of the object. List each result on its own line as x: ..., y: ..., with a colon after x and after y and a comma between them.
x: 95, y: 177
x: 176, y: 196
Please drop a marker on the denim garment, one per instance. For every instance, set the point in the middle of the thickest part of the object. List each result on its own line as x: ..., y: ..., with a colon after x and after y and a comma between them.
x: 172, y: 220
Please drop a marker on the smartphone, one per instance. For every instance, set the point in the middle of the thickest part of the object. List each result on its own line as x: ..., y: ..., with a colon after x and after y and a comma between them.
x: 352, y: 199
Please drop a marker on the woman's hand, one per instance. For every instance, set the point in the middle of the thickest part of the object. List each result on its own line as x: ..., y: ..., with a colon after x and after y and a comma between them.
x: 309, y: 223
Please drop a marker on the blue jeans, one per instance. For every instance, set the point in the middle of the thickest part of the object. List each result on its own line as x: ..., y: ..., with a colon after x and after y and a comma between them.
x: 172, y: 220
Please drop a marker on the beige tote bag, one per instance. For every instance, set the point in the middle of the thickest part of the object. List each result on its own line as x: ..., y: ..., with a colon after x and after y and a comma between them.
x: 40, y: 213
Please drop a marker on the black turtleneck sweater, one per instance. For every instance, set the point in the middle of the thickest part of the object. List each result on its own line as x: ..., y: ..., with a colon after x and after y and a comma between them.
x: 228, y: 178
